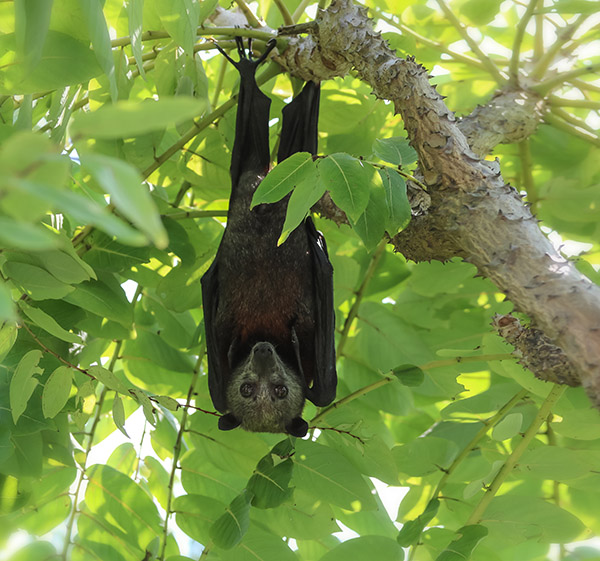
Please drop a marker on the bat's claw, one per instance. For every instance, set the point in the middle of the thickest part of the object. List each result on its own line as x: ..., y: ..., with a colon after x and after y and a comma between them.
x: 246, y: 54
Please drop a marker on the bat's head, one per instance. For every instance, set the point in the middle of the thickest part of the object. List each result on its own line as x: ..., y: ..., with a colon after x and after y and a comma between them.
x: 265, y: 395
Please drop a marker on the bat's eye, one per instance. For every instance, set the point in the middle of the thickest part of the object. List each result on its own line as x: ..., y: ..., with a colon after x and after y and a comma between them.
x: 280, y: 391
x: 246, y: 389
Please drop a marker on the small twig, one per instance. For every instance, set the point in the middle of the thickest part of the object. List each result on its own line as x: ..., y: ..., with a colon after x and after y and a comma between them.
x: 252, y: 20
x: 573, y: 120
x: 556, y: 101
x: 486, y: 61
x: 88, y: 448
x: 563, y: 37
x: 299, y: 11
x: 54, y: 353
x: 518, y: 451
x: 568, y: 128
x: 185, y: 214
x: 359, y: 294
x: 340, y: 431
x: 285, y: 13
x: 513, y: 69
x: 407, y: 30
x: 177, y: 452
x: 543, y: 88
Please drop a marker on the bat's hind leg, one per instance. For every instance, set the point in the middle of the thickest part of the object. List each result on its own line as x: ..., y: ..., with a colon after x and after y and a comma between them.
x: 246, y: 54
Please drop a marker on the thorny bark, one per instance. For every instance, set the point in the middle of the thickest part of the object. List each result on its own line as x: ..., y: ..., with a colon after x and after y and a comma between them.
x: 473, y: 213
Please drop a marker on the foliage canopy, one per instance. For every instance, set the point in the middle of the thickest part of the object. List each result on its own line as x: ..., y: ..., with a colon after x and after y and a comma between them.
x: 116, y: 125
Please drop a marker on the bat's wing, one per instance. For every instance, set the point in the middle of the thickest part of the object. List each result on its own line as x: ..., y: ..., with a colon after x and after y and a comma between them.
x: 251, y: 146
x: 300, y: 120
x: 218, y: 368
x: 324, y: 382
x: 250, y: 155
x: 299, y: 134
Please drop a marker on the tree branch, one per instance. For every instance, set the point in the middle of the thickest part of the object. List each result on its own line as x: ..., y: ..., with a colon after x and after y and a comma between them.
x: 473, y: 213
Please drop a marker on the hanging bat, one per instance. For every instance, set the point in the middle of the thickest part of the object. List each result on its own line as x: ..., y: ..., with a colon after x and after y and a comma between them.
x: 268, y: 310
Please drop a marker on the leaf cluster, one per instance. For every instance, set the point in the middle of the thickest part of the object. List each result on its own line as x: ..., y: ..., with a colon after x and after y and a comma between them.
x: 116, y: 126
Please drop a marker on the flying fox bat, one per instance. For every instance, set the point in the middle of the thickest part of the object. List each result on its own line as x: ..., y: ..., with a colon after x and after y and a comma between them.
x: 268, y: 309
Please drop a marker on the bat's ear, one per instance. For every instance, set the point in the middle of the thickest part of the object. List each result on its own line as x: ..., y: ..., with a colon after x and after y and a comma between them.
x: 298, y: 427
x: 229, y: 422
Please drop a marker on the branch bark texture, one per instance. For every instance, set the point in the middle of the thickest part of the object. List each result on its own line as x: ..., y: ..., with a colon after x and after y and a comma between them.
x: 474, y: 214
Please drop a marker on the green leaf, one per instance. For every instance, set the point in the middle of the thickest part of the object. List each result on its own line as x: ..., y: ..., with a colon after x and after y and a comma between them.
x: 425, y: 455
x: 530, y: 518
x: 48, y: 323
x: 283, y: 177
x: 369, y: 226
x: 259, y: 545
x: 348, y: 182
x: 64, y: 267
x: 65, y: 61
x: 109, y: 379
x: 56, y: 391
x: 7, y: 306
x: 126, y: 119
x: 207, y: 7
x: 103, y: 300
x: 304, y: 196
x: 32, y: 19
x: 579, y: 424
x: 365, y: 547
x: 35, y: 551
x: 508, y: 427
x: 146, y: 404
x: 398, y: 208
x: 180, y: 19
x: 8, y: 336
x: 37, y: 283
x: 96, y: 23
x: 269, y: 484
x: 465, y: 542
x: 394, y: 150
x: 135, y: 14
x: 84, y: 211
x: 229, y: 529
x: 124, y: 185
x: 409, y: 375
x: 21, y: 235
x: 118, y: 413
x: 195, y: 515
x: 166, y: 402
x: 124, y: 509
x: 326, y: 474
x: 23, y: 383
x: 411, y: 530
x: 148, y: 347
x: 556, y: 463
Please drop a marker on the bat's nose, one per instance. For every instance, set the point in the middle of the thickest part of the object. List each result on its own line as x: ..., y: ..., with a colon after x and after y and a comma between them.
x: 263, y: 357
x: 264, y: 349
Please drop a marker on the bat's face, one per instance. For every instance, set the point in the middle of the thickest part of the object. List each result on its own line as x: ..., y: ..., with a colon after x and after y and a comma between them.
x: 264, y: 393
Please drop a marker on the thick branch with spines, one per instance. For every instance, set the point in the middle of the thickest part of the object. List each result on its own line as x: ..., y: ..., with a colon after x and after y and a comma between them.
x: 473, y: 213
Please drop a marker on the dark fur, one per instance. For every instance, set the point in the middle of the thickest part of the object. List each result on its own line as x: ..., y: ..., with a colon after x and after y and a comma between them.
x: 268, y: 310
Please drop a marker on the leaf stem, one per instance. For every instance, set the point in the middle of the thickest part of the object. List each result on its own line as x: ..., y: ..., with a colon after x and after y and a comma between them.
x: 487, y: 425
x: 485, y: 60
x: 563, y: 37
x: 177, y: 452
x: 512, y: 460
x: 359, y: 295
x: 543, y: 88
x: 88, y: 448
x: 513, y: 69
x: 570, y: 129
